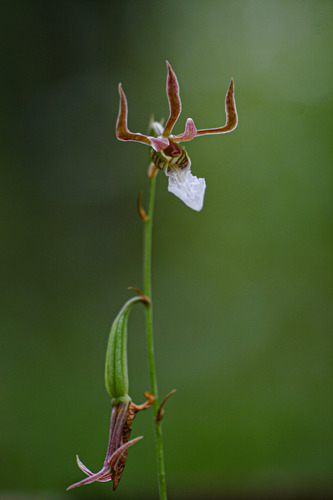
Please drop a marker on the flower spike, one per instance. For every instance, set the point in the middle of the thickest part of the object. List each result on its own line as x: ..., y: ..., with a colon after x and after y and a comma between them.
x: 175, y: 104
x: 231, y: 113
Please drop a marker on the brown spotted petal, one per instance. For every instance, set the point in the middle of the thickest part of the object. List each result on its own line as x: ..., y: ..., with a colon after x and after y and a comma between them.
x: 231, y: 112
x: 175, y: 104
x: 122, y: 132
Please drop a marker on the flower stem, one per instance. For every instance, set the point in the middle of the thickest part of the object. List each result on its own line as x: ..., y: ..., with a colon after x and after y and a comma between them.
x: 150, y: 340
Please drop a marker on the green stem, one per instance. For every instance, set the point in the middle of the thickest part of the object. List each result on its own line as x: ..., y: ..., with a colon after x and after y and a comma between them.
x: 150, y: 340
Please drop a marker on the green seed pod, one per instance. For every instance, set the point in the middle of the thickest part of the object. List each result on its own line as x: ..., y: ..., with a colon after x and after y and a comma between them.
x: 116, y: 372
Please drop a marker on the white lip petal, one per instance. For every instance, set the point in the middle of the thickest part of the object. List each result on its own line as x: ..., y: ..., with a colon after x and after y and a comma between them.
x: 186, y: 187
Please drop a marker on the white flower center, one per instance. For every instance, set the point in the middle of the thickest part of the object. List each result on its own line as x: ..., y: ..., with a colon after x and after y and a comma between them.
x: 157, y: 128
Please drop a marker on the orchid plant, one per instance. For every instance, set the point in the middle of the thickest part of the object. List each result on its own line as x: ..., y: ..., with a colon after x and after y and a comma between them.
x: 167, y: 155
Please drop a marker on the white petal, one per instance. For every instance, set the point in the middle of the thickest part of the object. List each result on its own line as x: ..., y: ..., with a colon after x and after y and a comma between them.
x: 157, y: 127
x: 187, y: 187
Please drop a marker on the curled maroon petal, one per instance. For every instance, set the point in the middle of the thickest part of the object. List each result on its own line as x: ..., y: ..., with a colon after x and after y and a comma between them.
x: 122, y: 132
x: 175, y: 104
x: 231, y: 112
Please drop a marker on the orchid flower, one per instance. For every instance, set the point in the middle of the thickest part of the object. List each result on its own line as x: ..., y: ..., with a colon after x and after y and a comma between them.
x: 166, y: 153
x: 120, y: 429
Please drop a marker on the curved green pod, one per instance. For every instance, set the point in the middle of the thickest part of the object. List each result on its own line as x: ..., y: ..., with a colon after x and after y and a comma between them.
x: 116, y: 371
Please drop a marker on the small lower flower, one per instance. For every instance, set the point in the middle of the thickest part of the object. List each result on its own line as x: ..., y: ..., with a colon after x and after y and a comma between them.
x: 122, y: 416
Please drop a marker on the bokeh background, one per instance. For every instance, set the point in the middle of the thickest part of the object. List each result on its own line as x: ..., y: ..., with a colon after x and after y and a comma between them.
x: 242, y: 290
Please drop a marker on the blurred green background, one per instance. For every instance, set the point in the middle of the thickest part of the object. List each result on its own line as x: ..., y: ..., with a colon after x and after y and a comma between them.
x: 243, y: 290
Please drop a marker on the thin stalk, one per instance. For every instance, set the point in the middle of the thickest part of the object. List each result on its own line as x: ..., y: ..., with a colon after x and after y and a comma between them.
x: 150, y: 339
